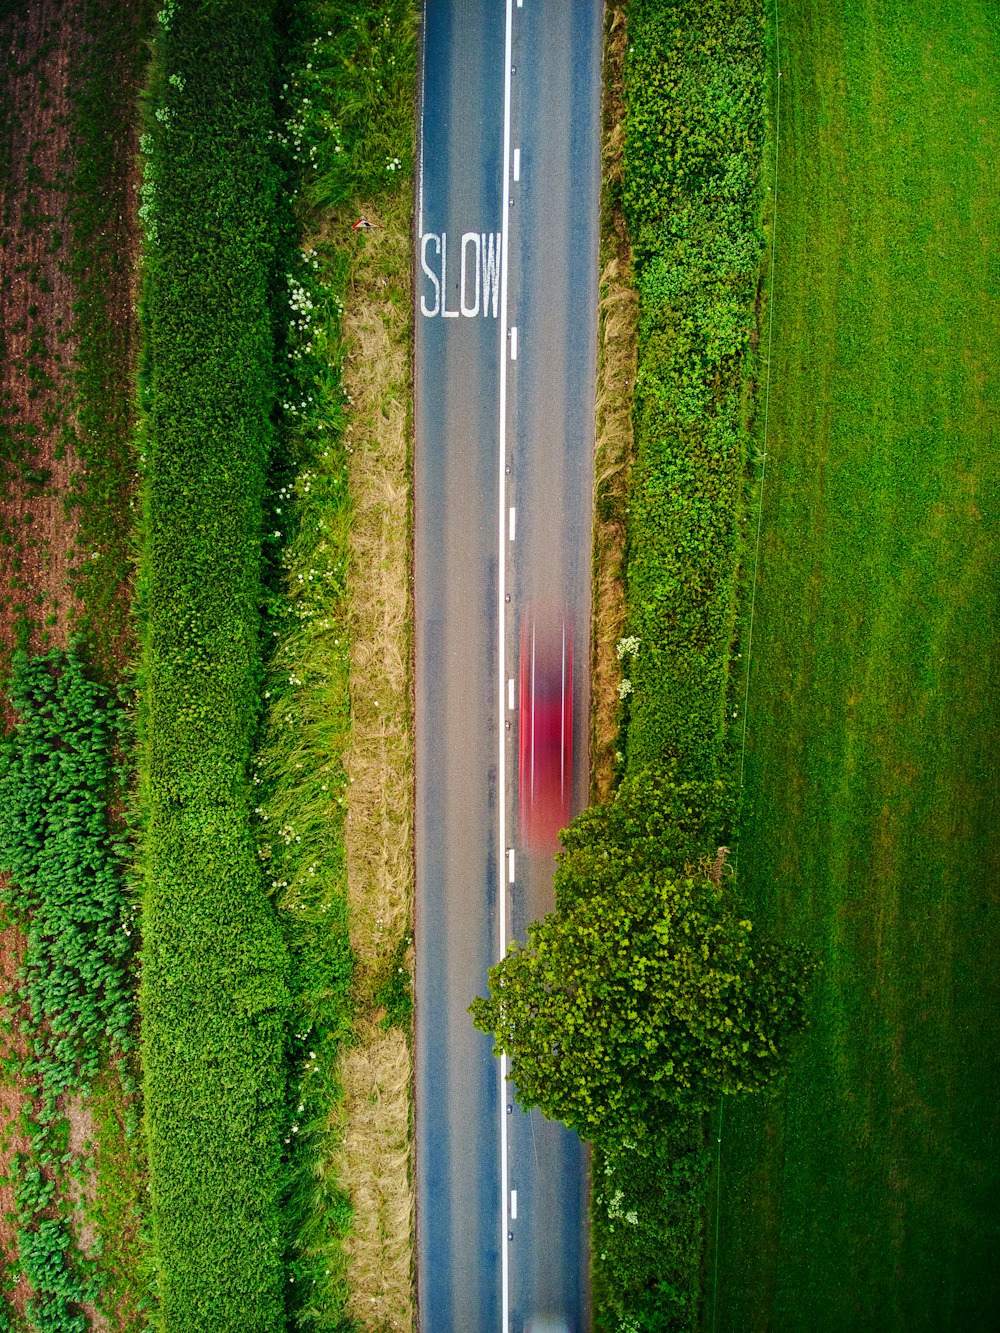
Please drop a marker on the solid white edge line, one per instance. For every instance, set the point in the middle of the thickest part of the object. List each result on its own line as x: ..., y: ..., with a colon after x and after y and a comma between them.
x: 423, y: 104
x: 501, y: 654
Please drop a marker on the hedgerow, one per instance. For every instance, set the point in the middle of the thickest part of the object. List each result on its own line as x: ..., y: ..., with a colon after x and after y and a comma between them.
x: 65, y: 888
x: 214, y: 994
x: 693, y: 143
x: 691, y: 195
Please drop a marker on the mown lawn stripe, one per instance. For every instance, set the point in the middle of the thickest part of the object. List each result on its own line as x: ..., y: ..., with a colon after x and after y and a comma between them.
x: 864, y: 1196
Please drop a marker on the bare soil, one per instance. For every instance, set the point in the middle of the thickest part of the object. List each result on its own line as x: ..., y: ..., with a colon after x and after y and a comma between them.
x: 36, y: 316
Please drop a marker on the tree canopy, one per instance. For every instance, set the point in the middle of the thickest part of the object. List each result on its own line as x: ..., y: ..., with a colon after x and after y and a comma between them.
x: 645, y: 993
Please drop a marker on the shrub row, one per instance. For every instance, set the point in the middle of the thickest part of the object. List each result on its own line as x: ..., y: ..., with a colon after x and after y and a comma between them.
x: 694, y: 132
x: 214, y: 994
x: 693, y: 144
x: 65, y: 889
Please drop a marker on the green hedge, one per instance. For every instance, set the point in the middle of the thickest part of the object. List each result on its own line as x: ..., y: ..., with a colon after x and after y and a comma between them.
x: 214, y: 992
x: 692, y: 199
x: 694, y: 135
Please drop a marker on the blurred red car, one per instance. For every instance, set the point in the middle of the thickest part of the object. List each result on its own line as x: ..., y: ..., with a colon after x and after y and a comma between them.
x: 545, y: 729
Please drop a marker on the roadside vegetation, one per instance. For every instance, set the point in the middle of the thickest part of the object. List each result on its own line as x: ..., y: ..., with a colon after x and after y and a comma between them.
x: 692, y: 199
x: 647, y: 905
x: 333, y: 768
x: 614, y: 440
x: 273, y: 816
x: 870, y: 823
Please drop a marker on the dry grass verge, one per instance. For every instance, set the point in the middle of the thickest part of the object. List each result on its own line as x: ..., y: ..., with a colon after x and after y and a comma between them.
x: 376, y: 1162
x: 618, y: 314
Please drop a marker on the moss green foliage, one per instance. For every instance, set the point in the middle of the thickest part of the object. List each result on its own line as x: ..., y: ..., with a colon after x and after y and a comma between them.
x: 364, y: 62
x: 214, y: 996
x: 65, y: 888
x: 394, y: 990
x: 300, y: 786
x: 693, y: 138
x: 868, y: 1192
x: 119, y: 1209
x: 641, y: 998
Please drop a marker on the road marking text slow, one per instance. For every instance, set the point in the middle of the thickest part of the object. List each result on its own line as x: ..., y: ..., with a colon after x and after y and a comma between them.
x: 477, y: 289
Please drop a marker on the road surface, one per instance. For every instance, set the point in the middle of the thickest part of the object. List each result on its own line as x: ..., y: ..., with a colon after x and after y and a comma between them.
x: 506, y: 286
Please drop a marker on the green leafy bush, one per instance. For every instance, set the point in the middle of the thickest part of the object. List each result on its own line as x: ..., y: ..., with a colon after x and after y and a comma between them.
x: 692, y: 198
x: 643, y: 997
x: 214, y: 996
x: 693, y: 144
x: 648, y: 1229
x: 64, y: 886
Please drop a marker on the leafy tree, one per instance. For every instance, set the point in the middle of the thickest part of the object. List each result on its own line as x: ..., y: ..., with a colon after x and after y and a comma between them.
x: 644, y: 995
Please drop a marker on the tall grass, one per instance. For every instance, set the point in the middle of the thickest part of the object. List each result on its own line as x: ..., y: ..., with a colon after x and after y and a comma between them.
x: 346, y: 138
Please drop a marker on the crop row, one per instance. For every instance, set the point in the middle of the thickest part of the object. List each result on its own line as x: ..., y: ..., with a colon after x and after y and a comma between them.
x: 64, y: 885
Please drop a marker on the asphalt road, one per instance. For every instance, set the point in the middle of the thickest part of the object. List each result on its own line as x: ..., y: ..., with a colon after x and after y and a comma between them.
x: 505, y: 357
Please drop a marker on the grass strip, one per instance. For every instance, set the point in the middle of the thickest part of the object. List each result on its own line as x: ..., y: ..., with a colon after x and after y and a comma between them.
x: 346, y: 141
x: 214, y: 996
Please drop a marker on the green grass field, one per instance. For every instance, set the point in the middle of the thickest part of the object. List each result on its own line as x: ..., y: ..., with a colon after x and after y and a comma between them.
x: 864, y: 1194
